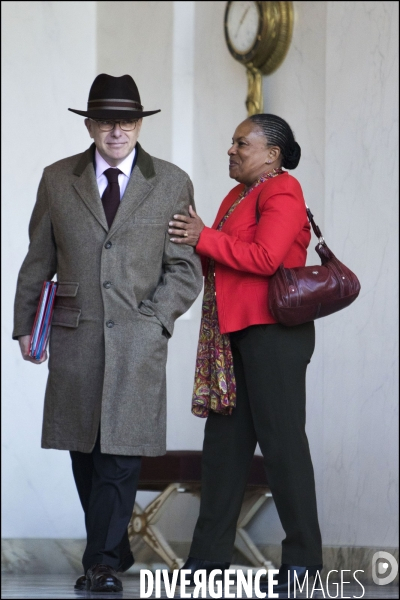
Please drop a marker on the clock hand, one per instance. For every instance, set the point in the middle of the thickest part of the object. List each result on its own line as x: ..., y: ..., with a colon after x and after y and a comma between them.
x: 242, y: 19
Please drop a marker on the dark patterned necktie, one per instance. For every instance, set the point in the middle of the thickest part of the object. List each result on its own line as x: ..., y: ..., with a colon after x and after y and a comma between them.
x: 111, y: 197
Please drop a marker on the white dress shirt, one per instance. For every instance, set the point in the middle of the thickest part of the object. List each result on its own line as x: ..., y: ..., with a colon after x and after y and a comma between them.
x: 123, y: 178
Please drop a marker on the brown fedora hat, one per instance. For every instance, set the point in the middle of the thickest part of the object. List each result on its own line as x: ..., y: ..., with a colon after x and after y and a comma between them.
x: 114, y: 98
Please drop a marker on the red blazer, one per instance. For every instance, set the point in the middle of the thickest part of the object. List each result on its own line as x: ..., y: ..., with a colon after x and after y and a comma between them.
x: 246, y: 254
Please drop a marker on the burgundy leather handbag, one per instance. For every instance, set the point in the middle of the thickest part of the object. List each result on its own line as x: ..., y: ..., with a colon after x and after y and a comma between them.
x: 304, y: 294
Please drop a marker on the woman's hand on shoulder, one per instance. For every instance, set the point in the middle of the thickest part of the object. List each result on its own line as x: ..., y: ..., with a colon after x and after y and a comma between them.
x: 186, y: 230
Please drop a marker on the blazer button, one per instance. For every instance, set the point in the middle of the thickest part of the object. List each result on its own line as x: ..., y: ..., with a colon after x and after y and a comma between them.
x: 110, y: 324
x: 108, y: 245
x: 107, y: 284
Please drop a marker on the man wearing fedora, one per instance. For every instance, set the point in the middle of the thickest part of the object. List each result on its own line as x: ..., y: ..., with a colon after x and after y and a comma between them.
x: 100, y: 224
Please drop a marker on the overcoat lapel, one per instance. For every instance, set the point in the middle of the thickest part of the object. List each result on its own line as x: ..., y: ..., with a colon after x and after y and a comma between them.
x: 137, y: 189
x: 86, y: 186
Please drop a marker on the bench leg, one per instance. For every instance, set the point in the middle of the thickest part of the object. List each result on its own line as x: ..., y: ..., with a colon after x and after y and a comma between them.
x: 142, y: 523
x: 243, y: 542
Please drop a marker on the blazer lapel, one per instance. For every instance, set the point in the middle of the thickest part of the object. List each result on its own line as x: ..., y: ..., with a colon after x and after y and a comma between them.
x: 243, y: 206
x: 226, y: 204
x: 86, y: 186
x: 137, y: 190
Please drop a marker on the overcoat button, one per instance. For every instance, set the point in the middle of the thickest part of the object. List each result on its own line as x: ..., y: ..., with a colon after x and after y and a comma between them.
x: 107, y: 284
x: 108, y: 245
x: 110, y: 324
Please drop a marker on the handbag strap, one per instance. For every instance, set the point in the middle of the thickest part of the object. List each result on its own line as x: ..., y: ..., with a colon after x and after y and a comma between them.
x: 315, y: 227
x: 310, y: 217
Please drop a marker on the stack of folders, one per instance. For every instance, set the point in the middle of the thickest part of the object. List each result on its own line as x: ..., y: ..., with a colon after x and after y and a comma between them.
x: 41, y: 327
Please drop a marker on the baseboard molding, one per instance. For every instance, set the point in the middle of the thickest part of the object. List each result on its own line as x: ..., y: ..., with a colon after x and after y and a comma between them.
x: 63, y: 556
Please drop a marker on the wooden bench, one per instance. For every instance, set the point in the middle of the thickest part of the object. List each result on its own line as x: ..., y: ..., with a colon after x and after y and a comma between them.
x: 180, y: 472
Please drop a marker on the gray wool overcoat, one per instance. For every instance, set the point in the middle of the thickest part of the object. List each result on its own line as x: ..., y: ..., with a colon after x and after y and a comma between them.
x: 119, y: 292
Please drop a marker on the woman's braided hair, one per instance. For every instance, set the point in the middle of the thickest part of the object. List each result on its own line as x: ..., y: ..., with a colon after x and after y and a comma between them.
x: 278, y: 133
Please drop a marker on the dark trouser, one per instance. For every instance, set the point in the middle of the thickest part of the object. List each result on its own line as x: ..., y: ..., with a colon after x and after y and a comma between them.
x: 270, y: 363
x: 107, y: 485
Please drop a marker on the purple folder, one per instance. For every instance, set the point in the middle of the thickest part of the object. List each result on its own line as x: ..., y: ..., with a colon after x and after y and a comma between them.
x: 41, y: 327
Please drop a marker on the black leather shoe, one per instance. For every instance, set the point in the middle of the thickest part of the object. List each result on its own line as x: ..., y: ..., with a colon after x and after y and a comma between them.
x: 196, y: 564
x: 80, y: 583
x: 126, y: 563
x: 285, y: 578
x: 102, y: 578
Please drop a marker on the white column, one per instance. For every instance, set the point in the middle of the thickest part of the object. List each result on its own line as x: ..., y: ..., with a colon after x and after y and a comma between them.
x: 183, y: 85
x: 183, y: 90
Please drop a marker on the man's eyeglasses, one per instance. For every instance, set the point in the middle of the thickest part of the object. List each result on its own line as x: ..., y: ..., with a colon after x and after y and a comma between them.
x: 124, y: 124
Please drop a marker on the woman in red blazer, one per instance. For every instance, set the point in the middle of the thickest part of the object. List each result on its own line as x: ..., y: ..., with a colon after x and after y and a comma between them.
x: 250, y: 371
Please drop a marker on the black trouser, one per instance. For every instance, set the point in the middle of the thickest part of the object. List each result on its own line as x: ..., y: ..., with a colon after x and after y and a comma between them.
x: 270, y: 363
x: 107, y: 485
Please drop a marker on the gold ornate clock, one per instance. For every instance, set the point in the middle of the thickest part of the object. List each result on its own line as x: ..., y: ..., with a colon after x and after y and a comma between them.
x: 258, y: 35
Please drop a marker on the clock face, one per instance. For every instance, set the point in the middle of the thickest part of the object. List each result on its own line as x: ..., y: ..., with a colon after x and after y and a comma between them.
x: 242, y: 24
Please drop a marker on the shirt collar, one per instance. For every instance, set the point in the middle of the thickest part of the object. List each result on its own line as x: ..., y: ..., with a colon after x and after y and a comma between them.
x: 125, y: 166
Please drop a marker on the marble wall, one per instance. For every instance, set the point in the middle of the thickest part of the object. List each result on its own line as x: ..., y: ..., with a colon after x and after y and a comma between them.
x: 360, y: 381
x: 338, y: 90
